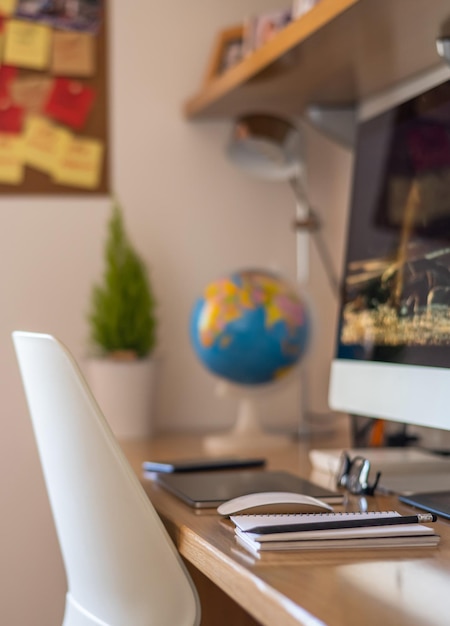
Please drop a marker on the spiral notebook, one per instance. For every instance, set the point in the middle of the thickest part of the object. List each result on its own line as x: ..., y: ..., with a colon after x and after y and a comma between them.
x: 388, y: 536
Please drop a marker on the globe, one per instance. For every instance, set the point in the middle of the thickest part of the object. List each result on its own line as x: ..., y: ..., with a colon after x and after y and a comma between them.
x: 250, y: 328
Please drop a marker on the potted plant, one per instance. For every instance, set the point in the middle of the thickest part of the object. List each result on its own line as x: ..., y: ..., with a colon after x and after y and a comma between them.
x: 122, y: 321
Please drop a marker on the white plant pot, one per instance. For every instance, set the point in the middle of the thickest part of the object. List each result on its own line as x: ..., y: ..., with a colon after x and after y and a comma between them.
x: 124, y: 391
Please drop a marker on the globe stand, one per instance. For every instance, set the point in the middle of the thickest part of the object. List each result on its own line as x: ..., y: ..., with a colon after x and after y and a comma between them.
x: 246, y: 434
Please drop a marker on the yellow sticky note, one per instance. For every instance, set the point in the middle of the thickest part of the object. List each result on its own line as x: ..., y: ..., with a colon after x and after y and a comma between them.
x: 81, y: 164
x: 11, y: 159
x: 44, y: 143
x: 27, y: 44
x: 7, y: 7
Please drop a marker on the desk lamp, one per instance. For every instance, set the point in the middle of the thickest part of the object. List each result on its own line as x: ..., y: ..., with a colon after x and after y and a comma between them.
x: 271, y: 148
x: 443, y: 47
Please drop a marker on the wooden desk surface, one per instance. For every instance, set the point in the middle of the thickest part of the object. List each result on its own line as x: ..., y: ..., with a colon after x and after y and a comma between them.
x: 383, y: 587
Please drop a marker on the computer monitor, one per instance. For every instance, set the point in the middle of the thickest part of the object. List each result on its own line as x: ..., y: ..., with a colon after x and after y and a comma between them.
x: 393, y: 345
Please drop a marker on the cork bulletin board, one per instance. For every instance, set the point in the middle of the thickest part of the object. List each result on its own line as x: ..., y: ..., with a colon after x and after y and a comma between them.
x: 53, y: 97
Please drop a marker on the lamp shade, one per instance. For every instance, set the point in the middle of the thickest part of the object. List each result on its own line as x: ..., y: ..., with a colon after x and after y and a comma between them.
x: 271, y: 148
x: 266, y: 146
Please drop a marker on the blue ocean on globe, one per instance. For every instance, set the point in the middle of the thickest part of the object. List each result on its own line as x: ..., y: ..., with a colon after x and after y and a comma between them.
x: 251, y: 327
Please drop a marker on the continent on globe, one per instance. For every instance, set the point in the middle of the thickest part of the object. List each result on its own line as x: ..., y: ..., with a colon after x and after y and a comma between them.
x: 250, y: 327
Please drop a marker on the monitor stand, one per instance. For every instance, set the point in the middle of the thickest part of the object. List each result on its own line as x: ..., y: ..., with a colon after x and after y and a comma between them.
x: 435, y: 502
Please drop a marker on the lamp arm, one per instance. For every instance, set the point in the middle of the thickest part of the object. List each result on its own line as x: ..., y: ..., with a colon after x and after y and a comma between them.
x: 312, y: 223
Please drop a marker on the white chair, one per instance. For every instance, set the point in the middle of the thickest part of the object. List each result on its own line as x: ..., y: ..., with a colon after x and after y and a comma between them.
x: 122, y: 567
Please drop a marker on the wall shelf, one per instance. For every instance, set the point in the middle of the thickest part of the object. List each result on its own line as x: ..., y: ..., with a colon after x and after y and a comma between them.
x: 338, y: 53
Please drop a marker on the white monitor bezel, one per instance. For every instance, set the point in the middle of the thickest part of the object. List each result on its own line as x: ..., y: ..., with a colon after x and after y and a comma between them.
x: 411, y: 394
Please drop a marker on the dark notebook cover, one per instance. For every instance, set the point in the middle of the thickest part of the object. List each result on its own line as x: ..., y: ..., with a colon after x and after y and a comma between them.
x: 206, y: 490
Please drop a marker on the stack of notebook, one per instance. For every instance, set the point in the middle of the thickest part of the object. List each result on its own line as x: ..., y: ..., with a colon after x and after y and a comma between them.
x: 386, y: 529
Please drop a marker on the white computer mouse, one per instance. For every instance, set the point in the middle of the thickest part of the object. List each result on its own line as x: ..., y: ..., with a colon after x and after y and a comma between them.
x: 273, y: 502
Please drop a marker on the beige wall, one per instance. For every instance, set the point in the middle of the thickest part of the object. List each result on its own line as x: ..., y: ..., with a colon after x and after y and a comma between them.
x: 193, y: 217
x: 329, y: 177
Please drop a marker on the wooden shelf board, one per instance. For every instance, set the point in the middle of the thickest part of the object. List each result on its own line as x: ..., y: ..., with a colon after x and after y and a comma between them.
x: 339, y: 52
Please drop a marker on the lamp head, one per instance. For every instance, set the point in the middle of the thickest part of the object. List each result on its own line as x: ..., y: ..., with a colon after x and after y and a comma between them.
x: 270, y: 148
x: 266, y: 146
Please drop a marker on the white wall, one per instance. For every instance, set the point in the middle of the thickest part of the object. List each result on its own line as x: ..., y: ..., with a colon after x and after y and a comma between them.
x: 190, y: 214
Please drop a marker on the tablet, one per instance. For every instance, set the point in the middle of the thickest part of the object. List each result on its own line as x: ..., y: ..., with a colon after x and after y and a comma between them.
x: 437, y: 502
x: 209, y: 489
x: 202, y: 464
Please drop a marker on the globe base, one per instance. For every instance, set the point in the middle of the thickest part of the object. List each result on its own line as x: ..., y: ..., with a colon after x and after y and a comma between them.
x: 246, y: 435
x: 226, y: 443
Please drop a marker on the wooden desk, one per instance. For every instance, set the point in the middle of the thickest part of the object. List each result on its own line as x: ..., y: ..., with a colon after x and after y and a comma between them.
x: 399, y: 587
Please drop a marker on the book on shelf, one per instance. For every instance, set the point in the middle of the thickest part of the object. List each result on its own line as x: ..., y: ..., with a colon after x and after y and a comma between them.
x: 300, y: 7
x: 325, y: 531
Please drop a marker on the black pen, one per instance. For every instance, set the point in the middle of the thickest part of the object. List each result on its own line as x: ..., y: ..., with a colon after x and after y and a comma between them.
x: 420, y: 518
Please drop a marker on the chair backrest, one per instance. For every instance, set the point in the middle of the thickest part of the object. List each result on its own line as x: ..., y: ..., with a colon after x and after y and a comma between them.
x: 122, y: 567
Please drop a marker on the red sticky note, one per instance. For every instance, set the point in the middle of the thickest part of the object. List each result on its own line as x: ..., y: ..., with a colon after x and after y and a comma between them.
x: 7, y: 74
x: 70, y: 102
x: 11, y: 117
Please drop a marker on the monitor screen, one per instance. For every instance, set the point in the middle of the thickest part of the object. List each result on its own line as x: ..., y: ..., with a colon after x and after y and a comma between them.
x: 393, y: 342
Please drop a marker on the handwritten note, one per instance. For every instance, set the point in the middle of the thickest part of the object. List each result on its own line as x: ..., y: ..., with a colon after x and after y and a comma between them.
x: 27, y: 44
x: 11, y: 116
x: 81, y: 163
x: 70, y: 102
x: 2, y: 35
x: 11, y: 159
x: 7, y: 75
x: 31, y: 92
x: 7, y: 7
x: 44, y: 144
x: 73, y: 54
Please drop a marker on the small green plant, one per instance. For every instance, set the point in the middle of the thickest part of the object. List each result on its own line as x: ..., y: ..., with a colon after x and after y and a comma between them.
x: 122, y: 314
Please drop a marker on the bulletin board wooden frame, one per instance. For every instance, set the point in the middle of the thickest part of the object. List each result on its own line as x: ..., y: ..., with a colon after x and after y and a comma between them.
x: 96, y: 127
